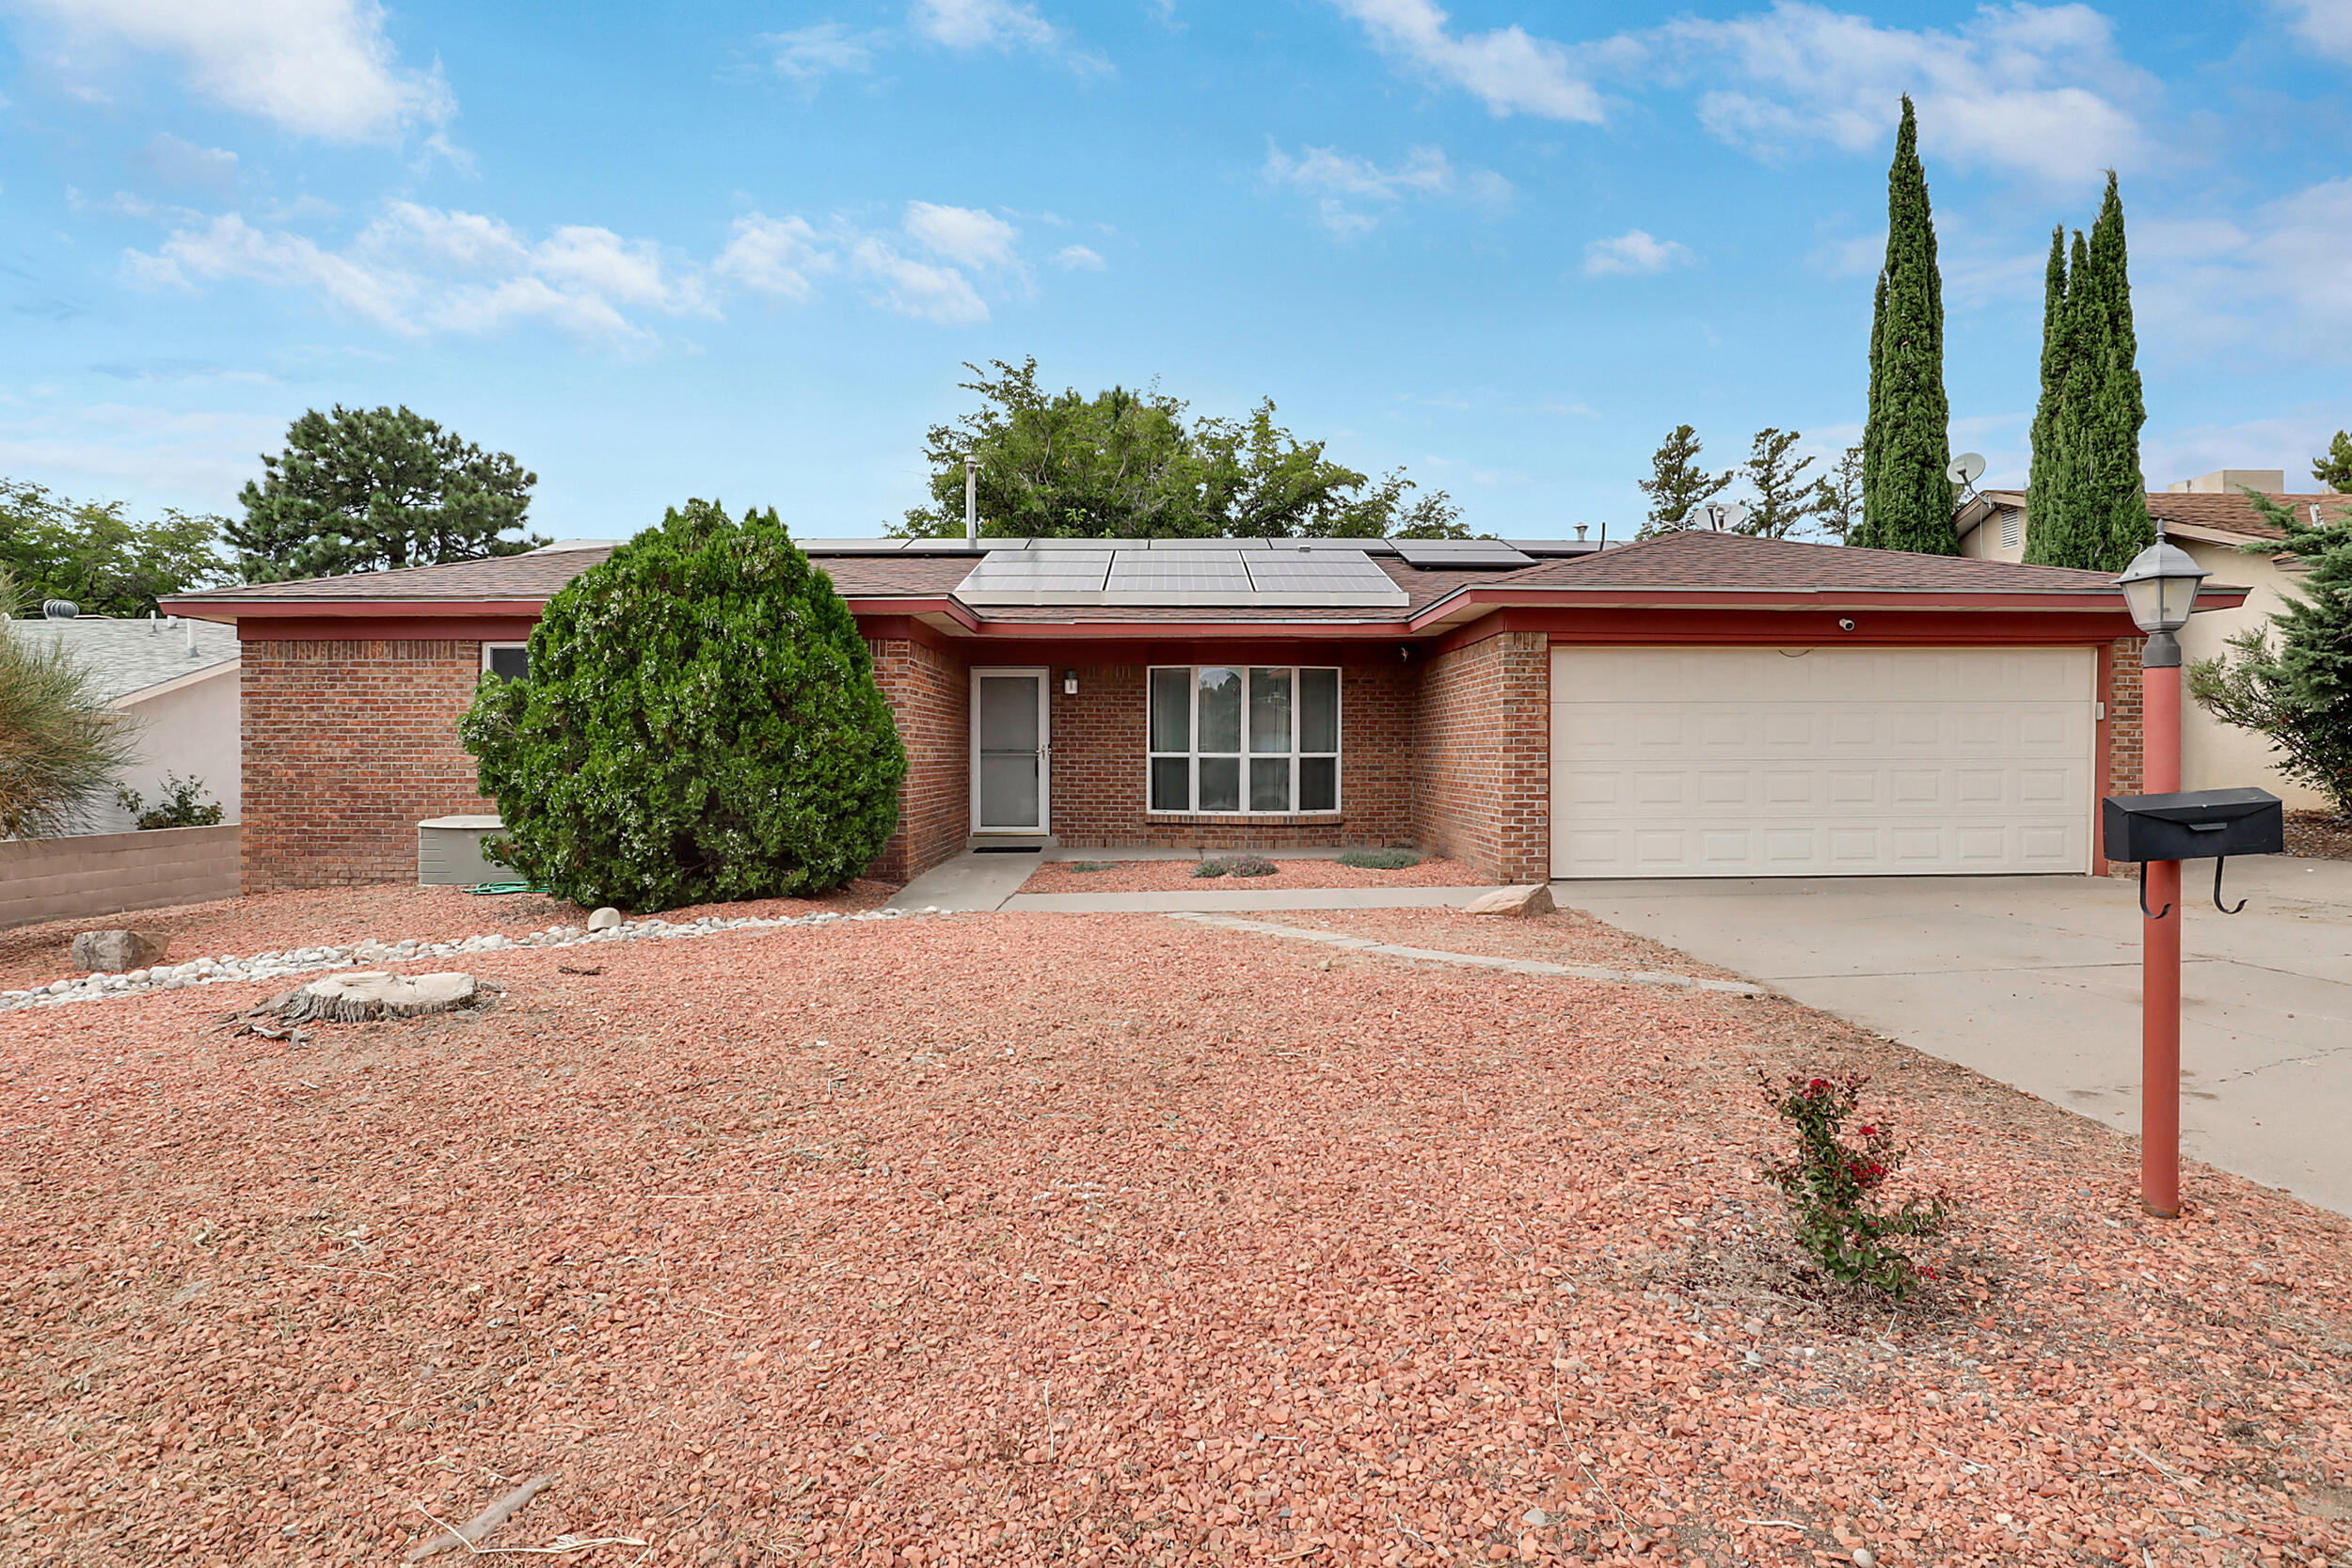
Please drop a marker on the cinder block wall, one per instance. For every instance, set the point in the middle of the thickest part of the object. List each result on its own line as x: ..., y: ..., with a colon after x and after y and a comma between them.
x: 348, y: 745
x: 930, y: 697
x: 1481, y: 750
x: 1100, y: 740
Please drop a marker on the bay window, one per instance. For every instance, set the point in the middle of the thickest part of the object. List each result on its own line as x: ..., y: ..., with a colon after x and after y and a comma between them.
x: 1244, y: 738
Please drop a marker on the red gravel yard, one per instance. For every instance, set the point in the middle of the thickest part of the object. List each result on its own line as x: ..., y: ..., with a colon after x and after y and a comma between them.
x: 1177, y: 876
x: 1024, y: 1239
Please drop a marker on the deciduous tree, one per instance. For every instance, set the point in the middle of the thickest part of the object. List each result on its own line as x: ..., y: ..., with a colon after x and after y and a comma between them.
x: 1127, y: 464
x: 95, y: 554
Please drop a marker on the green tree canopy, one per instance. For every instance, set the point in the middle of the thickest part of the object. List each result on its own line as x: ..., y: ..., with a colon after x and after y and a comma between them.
x: 2087, y: 501
x: 701, y: 722
x: 1127, y: 464
x: 368, y: 489
x: 1677, y: 483
x: 2335, y: 470
x: 94, y: 554
x: 1837, y: 497
x: 2297, y: 694
x: 1785, y: 498
x: 1907, y: 500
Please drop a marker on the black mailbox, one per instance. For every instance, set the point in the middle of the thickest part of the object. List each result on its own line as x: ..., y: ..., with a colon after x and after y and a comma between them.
x: 2195, y: 825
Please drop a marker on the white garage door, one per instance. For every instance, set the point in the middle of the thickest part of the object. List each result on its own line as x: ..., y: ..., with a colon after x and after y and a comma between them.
x: 1820, y: 762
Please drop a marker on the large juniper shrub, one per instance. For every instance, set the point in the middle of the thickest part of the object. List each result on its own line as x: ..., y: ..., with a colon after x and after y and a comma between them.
x: 700, y: 723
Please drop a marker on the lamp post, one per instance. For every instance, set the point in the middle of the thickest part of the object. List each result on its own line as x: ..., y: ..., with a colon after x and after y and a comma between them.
x: 2161, y: 589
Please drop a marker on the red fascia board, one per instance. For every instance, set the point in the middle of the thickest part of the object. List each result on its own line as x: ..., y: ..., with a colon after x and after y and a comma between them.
x: 1823, y: 600
x: 1912, y: 627
x: 354, y: 610
x: 875, y: 609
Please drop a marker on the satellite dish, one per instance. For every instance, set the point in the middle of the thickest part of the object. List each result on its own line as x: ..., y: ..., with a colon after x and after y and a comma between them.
x: 1967, y: 468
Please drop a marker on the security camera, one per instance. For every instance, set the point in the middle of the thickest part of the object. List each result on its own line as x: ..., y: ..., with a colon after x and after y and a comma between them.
x: 1844, y: 625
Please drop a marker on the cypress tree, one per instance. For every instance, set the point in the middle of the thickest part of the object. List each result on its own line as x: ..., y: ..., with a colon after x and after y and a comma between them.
x: 2088, y: 504
x: 2041, y: 483
x: 1907, y: 500
x: 2116, y: 517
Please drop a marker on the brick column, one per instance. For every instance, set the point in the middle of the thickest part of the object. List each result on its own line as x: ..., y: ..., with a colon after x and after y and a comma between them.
x: 1482, y: 786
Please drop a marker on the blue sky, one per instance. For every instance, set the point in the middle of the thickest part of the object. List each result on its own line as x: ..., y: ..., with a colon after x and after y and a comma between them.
x: 742, y: 250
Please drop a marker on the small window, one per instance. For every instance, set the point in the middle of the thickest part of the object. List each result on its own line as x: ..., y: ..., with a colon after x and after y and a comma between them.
x: 2009, y: 527
x: 508, y: 661
x: 1261, y: 738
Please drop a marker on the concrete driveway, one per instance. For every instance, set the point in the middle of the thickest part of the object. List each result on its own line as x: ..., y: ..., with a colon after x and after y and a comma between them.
x: 2034, y: 981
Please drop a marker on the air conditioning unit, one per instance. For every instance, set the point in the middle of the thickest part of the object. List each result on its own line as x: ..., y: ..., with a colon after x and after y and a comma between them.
x: 448, y: 852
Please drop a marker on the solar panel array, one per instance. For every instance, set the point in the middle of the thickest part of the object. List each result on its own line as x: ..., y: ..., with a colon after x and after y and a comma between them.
x: 1462, y: 554
x: 1136, y: 575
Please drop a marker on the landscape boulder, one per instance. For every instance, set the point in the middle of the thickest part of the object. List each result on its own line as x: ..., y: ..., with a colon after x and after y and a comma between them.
x: 605, y: 919
x: 1521, y: 901
x: 119, y: 952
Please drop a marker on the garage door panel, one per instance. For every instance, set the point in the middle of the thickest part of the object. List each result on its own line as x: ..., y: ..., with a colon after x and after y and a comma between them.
x: 1749, y: 762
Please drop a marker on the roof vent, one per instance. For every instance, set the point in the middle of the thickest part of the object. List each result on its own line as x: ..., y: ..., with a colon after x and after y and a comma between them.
x: 60, y: 610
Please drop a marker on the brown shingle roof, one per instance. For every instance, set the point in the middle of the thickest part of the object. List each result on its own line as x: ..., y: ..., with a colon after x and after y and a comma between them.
x: 536, y: 576
x: 2230, y: 513
x: 1695, y: 560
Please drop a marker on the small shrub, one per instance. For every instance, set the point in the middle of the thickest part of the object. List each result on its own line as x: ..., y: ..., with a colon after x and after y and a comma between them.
x: 1379, y: 860
x: 183, y: 805
x: 1211, y: 868
x: 1251, y: 865
x: 61, y: 743
x: 1087, y: 866
x: 1832, y: 1186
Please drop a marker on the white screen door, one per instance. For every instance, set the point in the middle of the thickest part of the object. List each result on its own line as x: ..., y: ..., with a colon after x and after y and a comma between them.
x: 1009, y: 779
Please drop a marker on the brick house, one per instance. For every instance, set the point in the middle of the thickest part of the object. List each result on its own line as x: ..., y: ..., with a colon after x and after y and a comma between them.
x: 1697, y: 705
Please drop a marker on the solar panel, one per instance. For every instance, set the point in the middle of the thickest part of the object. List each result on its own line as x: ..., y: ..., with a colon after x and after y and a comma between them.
x: 1036, y: 577
x: 1462, y: 554
x: 1178, y: 571
x: 1204, y: 544
x: 1327, y: 577
x: 850, y: 547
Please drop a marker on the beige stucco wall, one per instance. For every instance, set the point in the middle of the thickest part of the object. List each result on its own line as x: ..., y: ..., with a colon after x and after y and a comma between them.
x: 2214, y: 754
x: 191, y: 730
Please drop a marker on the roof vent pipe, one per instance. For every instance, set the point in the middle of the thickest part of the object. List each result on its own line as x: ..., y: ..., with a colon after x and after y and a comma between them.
x: 1579, y: 532
x: 972, y: 504
x: 59, y: 610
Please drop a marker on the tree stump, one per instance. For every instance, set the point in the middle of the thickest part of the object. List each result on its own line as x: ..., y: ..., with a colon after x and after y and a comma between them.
x: 374, y: 993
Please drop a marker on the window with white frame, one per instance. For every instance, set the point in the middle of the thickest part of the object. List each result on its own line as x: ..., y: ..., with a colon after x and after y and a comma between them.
x: 508, y: 661
x: 1244, y: 738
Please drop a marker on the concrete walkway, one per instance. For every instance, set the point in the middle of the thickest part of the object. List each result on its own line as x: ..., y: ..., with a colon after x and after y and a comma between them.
x: 2034, y: 981
x: 977, y: 881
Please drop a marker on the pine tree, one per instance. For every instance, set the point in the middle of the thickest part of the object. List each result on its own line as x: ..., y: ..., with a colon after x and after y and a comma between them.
x: 2335, y: 470
x: 1785, y: 496
x: 2041, y: 483
x: 1907, y: 500
x: 1676, y: 482
x: 2298, y: 696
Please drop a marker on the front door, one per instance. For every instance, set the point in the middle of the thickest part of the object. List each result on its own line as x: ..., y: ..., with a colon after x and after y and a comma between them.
x: 1009, y: 751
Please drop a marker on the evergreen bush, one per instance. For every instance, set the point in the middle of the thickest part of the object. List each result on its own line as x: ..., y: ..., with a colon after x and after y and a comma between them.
x: 1379, y: 860
x: 700, y: 724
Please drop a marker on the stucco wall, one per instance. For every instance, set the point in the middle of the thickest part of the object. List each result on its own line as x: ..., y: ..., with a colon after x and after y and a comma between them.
x: 2215, y: 755
x: 191, y: 732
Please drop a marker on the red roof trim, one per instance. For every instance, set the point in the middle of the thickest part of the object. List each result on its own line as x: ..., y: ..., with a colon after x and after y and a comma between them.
x: 1789, y: 598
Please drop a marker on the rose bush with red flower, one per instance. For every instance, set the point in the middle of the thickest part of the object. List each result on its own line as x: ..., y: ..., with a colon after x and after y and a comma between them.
x: 1831, y: 1184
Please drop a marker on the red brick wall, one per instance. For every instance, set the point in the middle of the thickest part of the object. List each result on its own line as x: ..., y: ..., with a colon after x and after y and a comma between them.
x: 1482, y: 750
x: 1099, y: 740
x: 2124, y: 741
x: 930, y: 697
x: 348, y: 745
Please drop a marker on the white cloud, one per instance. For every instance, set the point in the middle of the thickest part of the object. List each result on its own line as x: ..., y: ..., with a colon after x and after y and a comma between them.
x: 963, y: 234
x: 774, y: 256
x: 195, y: 458
x: 418, y: 270
x: 1634, y: 251
x: 1342, y: 184
x: 1506, y: 69
x: 915, y: 288
x: 1078, y: 257
x: 2038, y: 89
x: 2273, y: 279
x: 806, y: 55
x: 1005, y: 25
x: 318, y: 68
x: 2325, y: 25
x: 181, y: 166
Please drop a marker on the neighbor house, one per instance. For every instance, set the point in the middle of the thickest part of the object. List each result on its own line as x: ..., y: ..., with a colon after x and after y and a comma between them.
x: 175, y: 684
x: 2210, y: 517
x: 1697, y: 704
